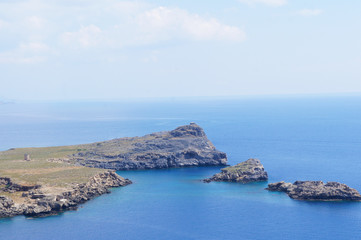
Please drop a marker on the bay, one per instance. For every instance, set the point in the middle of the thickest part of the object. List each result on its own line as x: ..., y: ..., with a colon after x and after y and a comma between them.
x: 296, y: 138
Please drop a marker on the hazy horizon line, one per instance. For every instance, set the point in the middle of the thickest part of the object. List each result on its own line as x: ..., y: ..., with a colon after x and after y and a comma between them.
x: 184, y: 98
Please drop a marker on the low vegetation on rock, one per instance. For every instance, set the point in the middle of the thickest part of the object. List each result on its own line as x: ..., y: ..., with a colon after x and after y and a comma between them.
x: 183, y: 147
x: 248, y: 171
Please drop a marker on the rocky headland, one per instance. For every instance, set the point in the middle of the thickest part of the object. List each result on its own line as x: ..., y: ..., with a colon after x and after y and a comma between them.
x: 248, y: 171
x: 184, y: 146
x: 37, y: 200
x: 45, y: 181
x: 316, y: 191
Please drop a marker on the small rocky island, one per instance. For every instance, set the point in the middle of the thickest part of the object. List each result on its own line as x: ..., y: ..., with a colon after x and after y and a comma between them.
x: 249, y: 171
x: 316, y: 191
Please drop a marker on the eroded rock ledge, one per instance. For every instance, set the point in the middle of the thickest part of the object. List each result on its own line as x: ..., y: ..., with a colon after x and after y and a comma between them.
x: 316, y: 191
x: 183, y: 147
x: 249, y: 171
x: 38, y: 201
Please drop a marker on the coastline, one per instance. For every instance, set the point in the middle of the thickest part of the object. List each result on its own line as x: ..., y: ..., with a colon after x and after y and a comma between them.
x: 50, y: 180
x: 39, y: 201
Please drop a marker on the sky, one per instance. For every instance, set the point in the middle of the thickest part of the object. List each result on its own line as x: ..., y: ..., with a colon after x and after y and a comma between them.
x: 113, y: 49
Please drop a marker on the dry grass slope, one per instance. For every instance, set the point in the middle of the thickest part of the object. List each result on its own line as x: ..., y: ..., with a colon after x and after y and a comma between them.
x: 40, y: 171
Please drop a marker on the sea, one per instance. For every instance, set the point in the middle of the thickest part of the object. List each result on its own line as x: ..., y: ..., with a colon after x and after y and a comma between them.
x: 295, y: 137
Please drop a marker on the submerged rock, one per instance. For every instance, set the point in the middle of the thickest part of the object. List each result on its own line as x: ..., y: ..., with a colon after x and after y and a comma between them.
x: 316, y: 191
x: 185, y: 146
x: 249, y: 171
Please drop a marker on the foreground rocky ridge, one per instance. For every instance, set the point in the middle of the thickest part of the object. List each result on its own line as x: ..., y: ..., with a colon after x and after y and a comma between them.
x: 185, y: 146
x: 38, y: 201
x: 316, y: 191
x: 248, y: 171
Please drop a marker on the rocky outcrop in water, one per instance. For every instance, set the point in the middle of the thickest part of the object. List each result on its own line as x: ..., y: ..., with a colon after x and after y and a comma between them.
x: 183, y: 147
x: 249, y: 171
x: 36, y: 202
x: 316, y: 191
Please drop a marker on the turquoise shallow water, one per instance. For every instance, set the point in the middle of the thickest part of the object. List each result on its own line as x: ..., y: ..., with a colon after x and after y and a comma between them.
x: 296, y: 139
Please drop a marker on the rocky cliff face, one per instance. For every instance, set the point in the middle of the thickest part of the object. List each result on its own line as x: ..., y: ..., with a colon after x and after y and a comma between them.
x: 249, y: 171
x: 316, y: 191
x: 37, y: 201
x: 185, y: 146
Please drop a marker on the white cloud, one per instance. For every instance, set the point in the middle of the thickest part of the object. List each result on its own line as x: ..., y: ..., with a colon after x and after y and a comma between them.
x: 274, y: 3
x: 2, y: 24
x: 48, y: 27
x: 167, y: 23
x: 309, y: 12
x: 89, y: 36
x: 18, y: 58
x: 152, y: 26
x: 36, y: 47
x: 35, y: 22
x: 151, y: 58
x: 31, y: 52
x: 128, y: 7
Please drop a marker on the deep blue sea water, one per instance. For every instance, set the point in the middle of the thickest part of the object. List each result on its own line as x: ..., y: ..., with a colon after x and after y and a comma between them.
x: 296, y: 138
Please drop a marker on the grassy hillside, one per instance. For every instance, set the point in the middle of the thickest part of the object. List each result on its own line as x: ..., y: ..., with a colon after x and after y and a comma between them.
x: 39, y: 170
